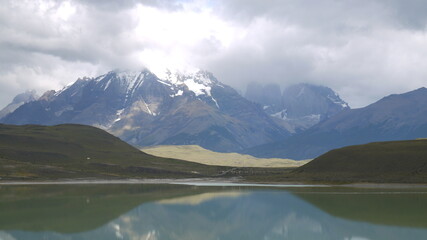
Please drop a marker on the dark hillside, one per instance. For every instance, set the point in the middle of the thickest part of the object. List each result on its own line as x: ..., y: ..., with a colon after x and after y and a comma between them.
x: 392, y: 162
x: 74, y: 151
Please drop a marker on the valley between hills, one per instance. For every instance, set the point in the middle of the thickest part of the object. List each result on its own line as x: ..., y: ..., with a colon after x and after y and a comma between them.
x: 66, y: 152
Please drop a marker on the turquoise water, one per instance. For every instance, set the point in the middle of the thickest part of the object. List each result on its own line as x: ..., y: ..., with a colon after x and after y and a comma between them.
x: 151, y: 211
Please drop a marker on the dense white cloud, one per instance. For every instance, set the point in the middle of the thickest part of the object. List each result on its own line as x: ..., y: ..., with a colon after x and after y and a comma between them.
x: 362, y: 49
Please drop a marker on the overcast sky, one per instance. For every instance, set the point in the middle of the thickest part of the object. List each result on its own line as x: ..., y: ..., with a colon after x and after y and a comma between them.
x: 364, y: 50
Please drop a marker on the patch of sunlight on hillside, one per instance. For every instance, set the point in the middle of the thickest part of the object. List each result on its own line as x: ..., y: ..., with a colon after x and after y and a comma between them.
x: 194, y: 153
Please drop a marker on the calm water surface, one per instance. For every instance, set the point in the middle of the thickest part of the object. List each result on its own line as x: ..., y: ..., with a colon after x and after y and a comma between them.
x: 151, y: 211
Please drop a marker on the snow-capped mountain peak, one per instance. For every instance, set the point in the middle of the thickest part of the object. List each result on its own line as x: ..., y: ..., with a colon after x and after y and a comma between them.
x: 196, y: 81
x: 199, y: 82
x: 131, y: 80
x: 145, y: 87
x: 69, y: 85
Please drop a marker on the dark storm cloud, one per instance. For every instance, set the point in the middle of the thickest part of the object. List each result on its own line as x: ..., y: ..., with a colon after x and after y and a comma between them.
x: 364, y: 49
x: 329, y: 13
x: 410, y: 14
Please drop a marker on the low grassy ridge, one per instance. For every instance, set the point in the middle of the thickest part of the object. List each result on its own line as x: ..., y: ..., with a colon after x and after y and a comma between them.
x: 197, y: 154
x: 78, y: 151
x: 70, y: 151
x: 389, y: 162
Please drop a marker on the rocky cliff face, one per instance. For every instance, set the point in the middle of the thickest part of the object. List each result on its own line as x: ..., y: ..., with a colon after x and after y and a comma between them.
x: 300, y: 106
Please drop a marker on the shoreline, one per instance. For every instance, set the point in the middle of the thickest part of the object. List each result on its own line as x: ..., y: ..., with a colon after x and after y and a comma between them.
x: 202, y: 182
x: 214, y: 182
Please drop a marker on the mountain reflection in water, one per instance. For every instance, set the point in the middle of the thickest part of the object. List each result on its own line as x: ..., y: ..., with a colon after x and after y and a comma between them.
x: 186, y: 212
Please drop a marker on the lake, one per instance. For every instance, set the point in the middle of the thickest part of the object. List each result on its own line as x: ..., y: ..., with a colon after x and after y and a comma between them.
x: 167, y: 211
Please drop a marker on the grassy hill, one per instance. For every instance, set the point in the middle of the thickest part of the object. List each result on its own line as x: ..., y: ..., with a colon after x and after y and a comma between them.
x: 197, y: 154
x: 391, y: 162
x: 32, y: 152
x: 78, y: 151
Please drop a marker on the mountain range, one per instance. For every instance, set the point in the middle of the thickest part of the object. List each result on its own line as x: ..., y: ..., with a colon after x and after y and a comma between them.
x: 395, y: 117
x: 144, y: 110
x: 194, y: 108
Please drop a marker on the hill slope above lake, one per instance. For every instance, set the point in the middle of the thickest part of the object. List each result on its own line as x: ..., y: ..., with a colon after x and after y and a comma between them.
x: 391, y: 162
x: 75, y: 151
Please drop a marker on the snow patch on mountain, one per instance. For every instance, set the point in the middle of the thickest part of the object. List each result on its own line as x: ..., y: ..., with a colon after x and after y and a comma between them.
x: 216, y: 103
x: 118, y: 114
x: 179, y: 93
x: 196, y: 81
x: 199, y: 82
x: 165, y: 83
x: 337, y: 100
x: 57, y: 93
x: 65, y: 109
x: 197, y: 88
x: 107, y: 85
x: 149, y: 110
x: 281, y: 114
x: 132, y: 81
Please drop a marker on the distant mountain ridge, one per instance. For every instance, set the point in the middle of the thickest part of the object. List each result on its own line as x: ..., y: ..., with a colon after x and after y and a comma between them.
x: 144, y: 110
x: 19, y: 100
x: 300, y: 106
x: 395, y: 117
